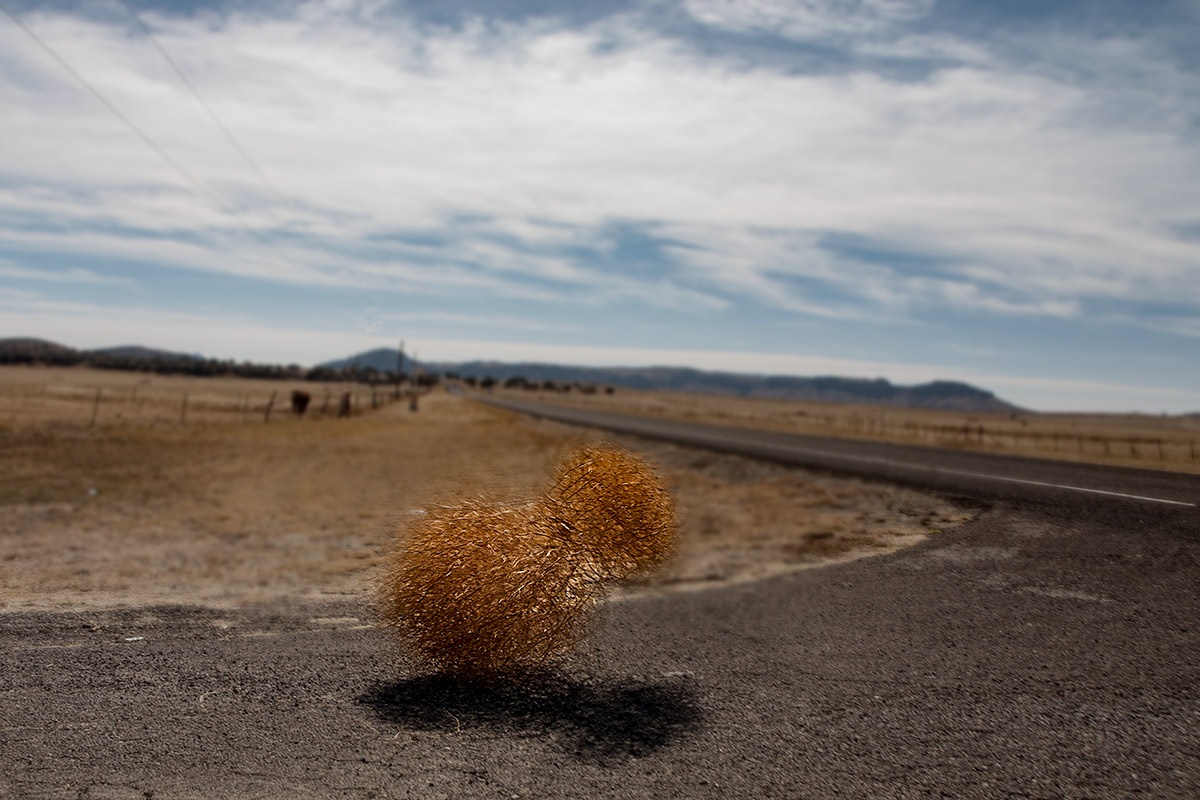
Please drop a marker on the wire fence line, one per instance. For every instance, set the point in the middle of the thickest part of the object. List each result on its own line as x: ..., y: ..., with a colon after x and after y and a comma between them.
x: 102, y: 405
x: 1017, y: 439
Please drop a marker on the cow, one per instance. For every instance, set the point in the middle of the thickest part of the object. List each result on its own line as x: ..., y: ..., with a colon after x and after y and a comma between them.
x: 300, y: 401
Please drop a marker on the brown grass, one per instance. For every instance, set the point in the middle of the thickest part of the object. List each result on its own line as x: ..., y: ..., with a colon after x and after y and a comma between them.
x: 481, y: 589
x: 143, y: 510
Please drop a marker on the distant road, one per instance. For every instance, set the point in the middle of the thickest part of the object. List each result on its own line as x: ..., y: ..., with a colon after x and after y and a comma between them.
x: 984, y: 476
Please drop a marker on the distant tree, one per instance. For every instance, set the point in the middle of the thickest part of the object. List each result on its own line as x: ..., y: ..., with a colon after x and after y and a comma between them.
x: 324, y: 374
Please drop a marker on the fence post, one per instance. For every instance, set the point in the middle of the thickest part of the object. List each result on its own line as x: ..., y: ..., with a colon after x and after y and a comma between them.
x: 183, y: 410
x: 95, y: 407
x: 267, y: 413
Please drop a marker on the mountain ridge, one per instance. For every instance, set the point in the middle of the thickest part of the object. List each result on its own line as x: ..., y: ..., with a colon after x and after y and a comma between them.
x: 944, y: 395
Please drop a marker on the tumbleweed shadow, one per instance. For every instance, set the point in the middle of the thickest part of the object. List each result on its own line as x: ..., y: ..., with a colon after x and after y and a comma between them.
x: 595, y: 720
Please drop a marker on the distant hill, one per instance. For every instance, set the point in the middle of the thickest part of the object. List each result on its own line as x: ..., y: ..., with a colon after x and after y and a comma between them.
x: 26, y: 350
x: 381, y: 358
x: 944, y: 395
x: 133, y: 351
x: 142, y: 359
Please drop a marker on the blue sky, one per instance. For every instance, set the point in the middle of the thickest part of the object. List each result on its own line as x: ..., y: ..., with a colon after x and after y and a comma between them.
x: 1006, y: 193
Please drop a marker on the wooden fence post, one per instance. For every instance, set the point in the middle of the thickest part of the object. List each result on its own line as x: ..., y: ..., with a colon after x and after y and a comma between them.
x: 183, y: 410
x: 267, y: 413
x: 95, y: 407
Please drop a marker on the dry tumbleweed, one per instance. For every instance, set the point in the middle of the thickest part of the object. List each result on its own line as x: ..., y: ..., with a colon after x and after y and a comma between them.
x: 483, y: 589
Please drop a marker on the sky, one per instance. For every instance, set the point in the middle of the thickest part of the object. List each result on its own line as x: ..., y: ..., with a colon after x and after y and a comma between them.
x: 1003, y: 193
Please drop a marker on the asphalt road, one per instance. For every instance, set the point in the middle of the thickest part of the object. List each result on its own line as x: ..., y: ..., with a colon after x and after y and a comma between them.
x: 982, y: 475
x: 1048, y: 649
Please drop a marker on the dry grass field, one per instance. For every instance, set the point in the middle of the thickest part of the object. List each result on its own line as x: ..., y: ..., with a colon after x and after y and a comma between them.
x: 151, y: 503
x: 1138, y: 440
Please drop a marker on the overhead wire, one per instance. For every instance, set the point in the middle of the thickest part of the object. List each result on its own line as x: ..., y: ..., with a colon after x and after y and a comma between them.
x: 141, y: 135
x: 203, y: 103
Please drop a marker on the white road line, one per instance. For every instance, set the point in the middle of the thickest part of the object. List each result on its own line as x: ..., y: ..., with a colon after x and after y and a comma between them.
x: 786, y: 448
x: 1065, y: 486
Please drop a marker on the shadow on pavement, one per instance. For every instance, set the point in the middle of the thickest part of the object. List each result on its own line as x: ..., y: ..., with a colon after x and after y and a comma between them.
x: 598, y: 720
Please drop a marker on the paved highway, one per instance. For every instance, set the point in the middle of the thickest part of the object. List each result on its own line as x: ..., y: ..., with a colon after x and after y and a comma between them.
x: 1048, y: 649
x: 984, y: 475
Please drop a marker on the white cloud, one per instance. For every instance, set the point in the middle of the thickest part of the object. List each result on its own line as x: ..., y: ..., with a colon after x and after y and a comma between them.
x: 808, y: 19
x: 492, y: 159
x: 374, y: 127
x: 9, y: 269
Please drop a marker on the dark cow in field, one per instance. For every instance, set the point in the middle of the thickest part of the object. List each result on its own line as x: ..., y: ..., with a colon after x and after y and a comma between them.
x: 300, y: 401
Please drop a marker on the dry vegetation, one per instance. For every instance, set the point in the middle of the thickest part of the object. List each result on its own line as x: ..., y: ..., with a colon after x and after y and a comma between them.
x: 485, y: 588
x: 1138, y: 440
x: 139, y: 508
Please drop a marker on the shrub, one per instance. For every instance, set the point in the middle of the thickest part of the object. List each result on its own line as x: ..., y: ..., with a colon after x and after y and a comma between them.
x: 482, y: 589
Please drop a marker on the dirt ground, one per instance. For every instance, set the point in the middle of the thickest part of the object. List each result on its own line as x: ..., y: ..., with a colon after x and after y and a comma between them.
x: 139, y: 508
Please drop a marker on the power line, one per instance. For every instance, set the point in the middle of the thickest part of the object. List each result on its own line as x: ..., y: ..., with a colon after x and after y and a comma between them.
x: 134, y: 128
x: 203, y: 104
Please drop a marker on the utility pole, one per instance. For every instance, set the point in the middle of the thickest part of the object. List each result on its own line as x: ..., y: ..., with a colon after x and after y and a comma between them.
x: 416, y: 392
x: 399, y: 367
